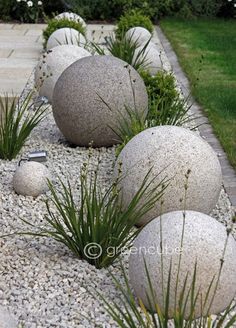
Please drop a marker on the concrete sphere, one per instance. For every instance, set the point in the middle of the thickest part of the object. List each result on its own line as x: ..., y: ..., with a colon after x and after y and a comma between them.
x: 152, y: 57
x: 52, y: 64
x: 65, y: 36
x: 30, y: 179
x: 90, y: 97
x: 71, y: 16
x: 203, y: 244
x: 140, y: 34
x: 171, y: 151
x: 6, y: 319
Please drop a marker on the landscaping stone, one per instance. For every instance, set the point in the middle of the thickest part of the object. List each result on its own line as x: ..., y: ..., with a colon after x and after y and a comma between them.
x: 6, y: 319
x: 52, y: 64
x: 140, y: 34
x: 91, y: 96
x: 203, y: 244
x: 152, y: 58
x: 65, y: 36
x: 171, y: 152
x: 30, y: 179
x: 71, y: 16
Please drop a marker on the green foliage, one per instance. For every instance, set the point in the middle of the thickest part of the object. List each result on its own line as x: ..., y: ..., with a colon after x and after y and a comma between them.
x: 131, y: 19
x: 17, y: 122
x: 55, y: 24
x: 99, y: 228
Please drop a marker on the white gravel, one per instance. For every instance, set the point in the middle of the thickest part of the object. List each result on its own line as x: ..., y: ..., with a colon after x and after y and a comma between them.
x: 41, y: 282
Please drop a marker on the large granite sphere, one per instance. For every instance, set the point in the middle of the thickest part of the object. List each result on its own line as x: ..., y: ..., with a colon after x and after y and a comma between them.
x: 30, y: 179
x: 171, y: 152
x: 52, y: 64
x: 204, y: 240
x: 90, y: 99
x: 152, y: 57
x: 65, y: 36
x: 139, y: 34
x: 71, y: 16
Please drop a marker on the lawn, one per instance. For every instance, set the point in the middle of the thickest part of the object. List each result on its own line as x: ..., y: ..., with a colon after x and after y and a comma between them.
x: 207, y: 53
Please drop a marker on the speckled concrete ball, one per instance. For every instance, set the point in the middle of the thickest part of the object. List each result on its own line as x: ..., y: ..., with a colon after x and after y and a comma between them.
x: 90, y: 99
x: 65, y: 36
x: 71, y: 16
x: 30, y: 179
x: 152, y: 58
x: 6, y: 319
x: 171, y: 152
x: 139, y: 34
x: 52, y: 64
x: 204, y: 240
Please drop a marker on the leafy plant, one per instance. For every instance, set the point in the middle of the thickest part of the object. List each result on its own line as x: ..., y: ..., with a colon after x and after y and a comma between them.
x: 17, y: 122
x: 131, y: 19
x: 99, y: 224
x: 29, y: 11
x: 55, y: 24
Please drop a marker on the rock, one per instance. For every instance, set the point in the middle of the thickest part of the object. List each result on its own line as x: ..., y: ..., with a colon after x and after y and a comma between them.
x: 152, y: 57
x: 71, y: 16
x: 170, y: 152
x: 30, y: 179
x: 6, y: 319
x: 90, y: 97
x: 65, y: 36
x: 203, y: 244
x: 52, y: 64
x: 140, y: 34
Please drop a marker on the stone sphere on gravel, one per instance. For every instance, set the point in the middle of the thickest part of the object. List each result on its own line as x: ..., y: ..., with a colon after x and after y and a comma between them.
x: 90, y: 99
x: 30, y: 179
x: 52, y: 64
x: 71, y: 16
x: 140, y: 34
x: 170, y: 152
x: 203, y: 244
x: 65, y: 36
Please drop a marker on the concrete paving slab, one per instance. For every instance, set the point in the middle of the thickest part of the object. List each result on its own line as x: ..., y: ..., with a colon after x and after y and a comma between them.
x: 26, y: 53
x: 11, y: 33
x: 5, y: 53
x: 29, y: 26
x: 6, y: 26
x: 31, y: 32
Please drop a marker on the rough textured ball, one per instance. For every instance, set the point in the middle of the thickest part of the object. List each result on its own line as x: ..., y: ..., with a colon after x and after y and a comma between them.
x: 71, y: 16
x: 30, y: 179
x: 65, y: 36
x: 91, y: 98
x: 6, y: 319
x: 204, y: 240
x: 52, y: 64
x: 152, y: 57
x: 171, y: 152
x: 139, y: 34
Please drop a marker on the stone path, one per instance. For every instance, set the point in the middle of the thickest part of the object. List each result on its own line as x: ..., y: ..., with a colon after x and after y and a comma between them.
x: 229, y: 174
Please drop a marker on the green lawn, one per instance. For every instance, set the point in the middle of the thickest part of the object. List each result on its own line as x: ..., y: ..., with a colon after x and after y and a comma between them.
x: 207, y: 50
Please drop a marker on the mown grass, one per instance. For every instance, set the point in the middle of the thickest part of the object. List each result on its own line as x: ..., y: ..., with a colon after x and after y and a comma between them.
x: 207, y: 53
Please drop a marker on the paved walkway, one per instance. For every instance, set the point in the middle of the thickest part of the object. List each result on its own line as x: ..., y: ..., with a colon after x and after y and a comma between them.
x: 229, y: 174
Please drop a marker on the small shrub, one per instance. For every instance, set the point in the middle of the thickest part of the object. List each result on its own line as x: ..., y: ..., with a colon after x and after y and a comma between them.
x: 17, y: 122
x: 55, y: 24
x: 99, y: 224
x: 131, y: 19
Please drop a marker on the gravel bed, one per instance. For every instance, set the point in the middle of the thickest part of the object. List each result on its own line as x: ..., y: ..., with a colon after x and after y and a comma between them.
x: 41, y: 282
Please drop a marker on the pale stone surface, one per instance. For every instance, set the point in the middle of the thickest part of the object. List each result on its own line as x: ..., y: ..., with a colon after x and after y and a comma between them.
x: 140, y: 34
x: 171, y: 151
x: 65, y: 36
x: 73, y: 17
x: 90, y: 97
x: 203, y: 244
x: 152, y: 56
x: 52, y: 64
x: 30, y: 179
x: 6, y: 319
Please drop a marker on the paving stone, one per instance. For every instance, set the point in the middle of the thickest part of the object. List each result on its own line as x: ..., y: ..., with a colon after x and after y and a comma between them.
x: 29, y: 26
x: 10, y: 32
x: 33, y: 32
x: 6, y: 26
x: 26, y: 53
x: 5, y: 53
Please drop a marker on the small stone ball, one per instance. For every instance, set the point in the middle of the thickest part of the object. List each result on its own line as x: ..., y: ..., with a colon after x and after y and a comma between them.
x: 52, y: 64
x: 65, y: 36
x: 152, y: 56
x: 93, y: 96
x: 30, y: 179
x: 71, y: 16
x: 183, y: 158
x: 140, y: 34
x: 204, y: 240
